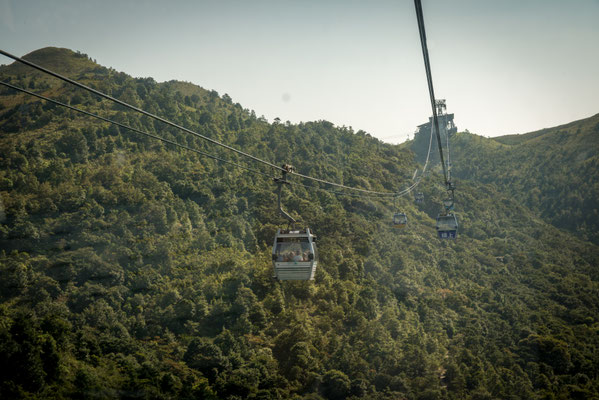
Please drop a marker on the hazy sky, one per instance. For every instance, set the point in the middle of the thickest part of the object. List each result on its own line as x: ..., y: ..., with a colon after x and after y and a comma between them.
x: 504, y: 66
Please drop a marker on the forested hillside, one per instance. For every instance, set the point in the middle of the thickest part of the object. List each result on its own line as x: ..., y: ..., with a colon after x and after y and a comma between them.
x: 132, y: 269
x: 552, y: 172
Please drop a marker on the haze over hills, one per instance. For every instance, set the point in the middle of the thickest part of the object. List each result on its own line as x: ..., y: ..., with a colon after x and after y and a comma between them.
x: 133, y: 269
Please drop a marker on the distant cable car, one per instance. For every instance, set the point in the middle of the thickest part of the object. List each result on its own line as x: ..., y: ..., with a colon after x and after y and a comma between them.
x: 400, y: 220
x: 419, y: 198
x: 447, y: 226
x: 294, y: 255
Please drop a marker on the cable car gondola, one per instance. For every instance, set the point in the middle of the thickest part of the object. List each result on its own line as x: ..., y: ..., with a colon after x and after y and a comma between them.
x: 400, y: 220
x: 419, y: 198
x: 294, y: 254
x: 447, y: 226
x: 447, y: 223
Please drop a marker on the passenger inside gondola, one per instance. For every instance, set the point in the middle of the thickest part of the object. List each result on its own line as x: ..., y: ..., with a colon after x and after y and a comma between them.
x: 294, y: 255
x: 293, y: 251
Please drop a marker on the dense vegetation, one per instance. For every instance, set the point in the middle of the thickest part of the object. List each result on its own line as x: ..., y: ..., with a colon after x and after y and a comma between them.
x: 553, y: 171
x: 131, y: 269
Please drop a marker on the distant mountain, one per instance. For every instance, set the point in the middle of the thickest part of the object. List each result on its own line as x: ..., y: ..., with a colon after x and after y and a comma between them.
x: 132, y: 269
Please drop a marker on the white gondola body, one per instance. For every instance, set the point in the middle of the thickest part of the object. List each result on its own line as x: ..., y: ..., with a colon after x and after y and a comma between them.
x: 294, y: 255
x: 447, y: 226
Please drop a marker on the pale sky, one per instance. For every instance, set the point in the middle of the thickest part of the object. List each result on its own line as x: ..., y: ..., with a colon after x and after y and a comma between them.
x: 504, y: 66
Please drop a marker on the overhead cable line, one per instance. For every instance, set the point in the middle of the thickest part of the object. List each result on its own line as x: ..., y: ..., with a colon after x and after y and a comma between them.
x: 447, y: 223
x: 364, y: 191
x: 448, y: 156
x: 401, y: 193
x: 134, y: 129
x: 419, y: 178
x: 429, y: 79
x: 333, y: 191
x: 165, y: 121
x: 79, y: 110
x: 139, y: 110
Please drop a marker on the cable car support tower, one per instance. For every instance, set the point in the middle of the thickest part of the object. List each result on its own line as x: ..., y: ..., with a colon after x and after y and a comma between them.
x: 447, y: 224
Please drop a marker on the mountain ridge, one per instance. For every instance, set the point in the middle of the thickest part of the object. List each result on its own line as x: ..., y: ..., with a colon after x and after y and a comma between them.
x: 519, y: 138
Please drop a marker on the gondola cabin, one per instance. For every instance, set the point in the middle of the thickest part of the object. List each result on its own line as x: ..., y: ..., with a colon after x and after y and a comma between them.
x: 294, y: 255
x: 419, y: 198
x: 400, y: 220
x: 447, y: 226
